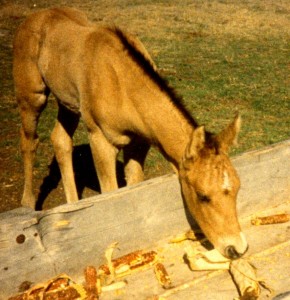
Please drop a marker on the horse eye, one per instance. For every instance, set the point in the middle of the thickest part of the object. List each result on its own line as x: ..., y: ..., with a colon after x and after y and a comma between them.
x: 203, y: 198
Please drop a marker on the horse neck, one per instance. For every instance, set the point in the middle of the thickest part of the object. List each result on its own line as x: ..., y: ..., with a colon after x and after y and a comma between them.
x: 168, y: 128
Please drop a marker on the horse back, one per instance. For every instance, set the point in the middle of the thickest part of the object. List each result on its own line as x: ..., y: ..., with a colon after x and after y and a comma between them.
x: 87, y: 67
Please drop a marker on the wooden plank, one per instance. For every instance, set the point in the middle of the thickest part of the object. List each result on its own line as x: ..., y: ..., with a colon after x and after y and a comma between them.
x: 35, y: 246
x: 265, y: 177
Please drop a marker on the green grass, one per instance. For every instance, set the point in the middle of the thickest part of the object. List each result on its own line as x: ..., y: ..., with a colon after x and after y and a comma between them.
x: 251, y: 76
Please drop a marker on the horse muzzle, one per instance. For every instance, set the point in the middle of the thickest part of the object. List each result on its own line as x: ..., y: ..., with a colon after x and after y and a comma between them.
x: 234, y: 247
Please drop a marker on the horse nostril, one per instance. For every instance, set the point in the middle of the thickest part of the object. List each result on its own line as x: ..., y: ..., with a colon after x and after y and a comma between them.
x: 232, y: 253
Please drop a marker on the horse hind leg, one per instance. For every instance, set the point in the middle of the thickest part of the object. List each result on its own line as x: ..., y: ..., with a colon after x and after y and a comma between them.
x: 31, y: 106
x: 31, y: 95
x: 61, y: 137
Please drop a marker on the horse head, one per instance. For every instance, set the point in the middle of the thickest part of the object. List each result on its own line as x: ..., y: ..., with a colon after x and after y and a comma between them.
x: 210, y: 185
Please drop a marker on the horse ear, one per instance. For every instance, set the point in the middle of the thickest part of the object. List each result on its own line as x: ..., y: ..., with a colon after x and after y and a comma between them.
x: 229, y: 135
x: 196, y: 143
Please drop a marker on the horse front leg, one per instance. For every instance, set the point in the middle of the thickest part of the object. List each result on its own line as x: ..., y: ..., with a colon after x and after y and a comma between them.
x: 61, y: 138
x: 105, y: 157
x: 134, y: 158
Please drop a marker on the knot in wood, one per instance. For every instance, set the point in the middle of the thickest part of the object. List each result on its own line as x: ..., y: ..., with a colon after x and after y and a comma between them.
x: 20, y: 239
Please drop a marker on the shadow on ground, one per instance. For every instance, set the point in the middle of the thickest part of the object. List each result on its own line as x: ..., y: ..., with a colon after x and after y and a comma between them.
x: 85, y: 174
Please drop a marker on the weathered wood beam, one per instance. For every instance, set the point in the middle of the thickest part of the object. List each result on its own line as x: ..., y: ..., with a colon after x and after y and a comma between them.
x: 35, y: 246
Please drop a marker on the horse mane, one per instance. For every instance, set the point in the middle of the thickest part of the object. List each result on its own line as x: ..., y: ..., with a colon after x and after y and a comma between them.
x: 148, y: 69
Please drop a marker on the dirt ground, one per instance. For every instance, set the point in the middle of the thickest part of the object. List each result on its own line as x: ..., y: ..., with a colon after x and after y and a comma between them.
x: 10, y: 166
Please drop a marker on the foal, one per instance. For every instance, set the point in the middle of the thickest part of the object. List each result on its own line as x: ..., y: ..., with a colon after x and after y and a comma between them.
x: 107, y: 77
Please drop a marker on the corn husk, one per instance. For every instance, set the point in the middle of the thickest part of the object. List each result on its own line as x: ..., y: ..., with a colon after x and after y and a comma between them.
x: 245, y: 278
x: 205, y: 261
